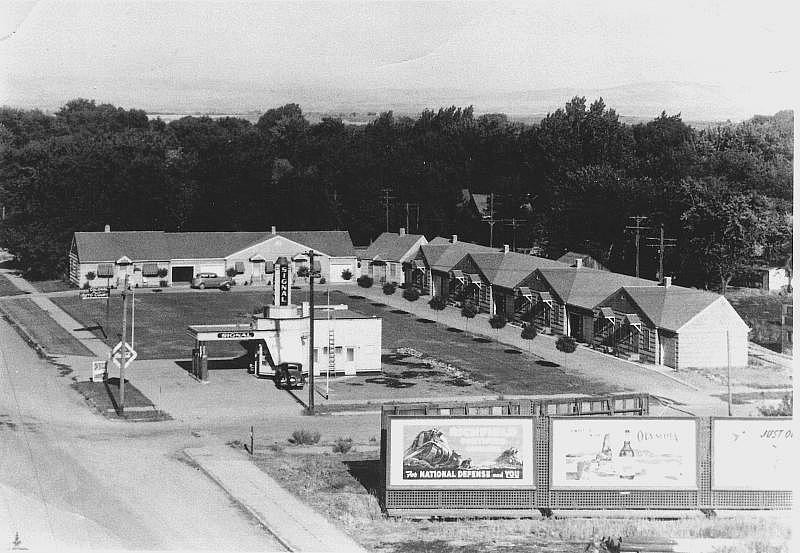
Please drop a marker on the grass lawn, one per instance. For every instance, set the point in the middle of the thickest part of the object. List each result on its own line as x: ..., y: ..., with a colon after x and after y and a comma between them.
x: 46, y: 286
x: 104, y: 396
x: 162, y: 319
x: 43, y: 329
x: 8, y: 289
x: 344, y: 487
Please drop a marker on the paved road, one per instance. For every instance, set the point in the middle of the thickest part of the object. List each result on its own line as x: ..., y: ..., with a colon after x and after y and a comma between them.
x: 69, y: 478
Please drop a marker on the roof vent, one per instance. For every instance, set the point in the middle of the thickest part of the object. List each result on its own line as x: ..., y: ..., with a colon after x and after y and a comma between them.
x: 578, y: 262
x: 107, y: 229
x: 455, y: 238
x: 505, y: 248
x: 274, y: 230
x: 402, y: 231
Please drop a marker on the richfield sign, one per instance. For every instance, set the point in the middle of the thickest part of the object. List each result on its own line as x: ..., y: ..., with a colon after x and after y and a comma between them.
x: 441, y: 452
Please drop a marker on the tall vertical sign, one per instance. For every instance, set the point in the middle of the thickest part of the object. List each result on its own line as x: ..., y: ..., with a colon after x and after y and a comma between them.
x: 283, y: 279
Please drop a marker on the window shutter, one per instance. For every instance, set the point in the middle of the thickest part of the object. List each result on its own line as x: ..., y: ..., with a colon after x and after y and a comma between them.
x: 317, y: 266
x: 269, y: 267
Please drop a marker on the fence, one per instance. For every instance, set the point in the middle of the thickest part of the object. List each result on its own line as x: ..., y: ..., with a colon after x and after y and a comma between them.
x: 678, y: 456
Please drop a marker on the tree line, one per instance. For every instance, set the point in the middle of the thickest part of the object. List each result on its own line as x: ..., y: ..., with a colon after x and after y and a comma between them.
x: 570, y: 182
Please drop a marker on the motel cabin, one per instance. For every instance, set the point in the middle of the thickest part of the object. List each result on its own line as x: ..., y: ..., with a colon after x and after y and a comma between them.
x: 671, y: 326
x: 387, y: 258
x: 436, y: 260
x: 158, y: 258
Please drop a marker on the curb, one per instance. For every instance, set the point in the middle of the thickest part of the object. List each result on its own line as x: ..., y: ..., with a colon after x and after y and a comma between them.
x: 236, y: 500
x: 24, y: 334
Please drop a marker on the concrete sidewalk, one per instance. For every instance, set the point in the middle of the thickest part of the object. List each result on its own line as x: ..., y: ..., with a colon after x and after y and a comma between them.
x: 295, y: 525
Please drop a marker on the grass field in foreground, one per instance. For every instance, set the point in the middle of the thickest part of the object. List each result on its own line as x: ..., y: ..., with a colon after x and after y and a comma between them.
x: 8, y: 289
x: 344, y: 487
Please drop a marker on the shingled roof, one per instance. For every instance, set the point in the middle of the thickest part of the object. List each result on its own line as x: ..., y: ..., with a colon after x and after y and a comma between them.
x: 444, y: 257
x: 670, y: 307
x: 163, y: 246
x: 585, y: 288
x: 391, y: 246
x: 571, y: 258
x: 509, y: 269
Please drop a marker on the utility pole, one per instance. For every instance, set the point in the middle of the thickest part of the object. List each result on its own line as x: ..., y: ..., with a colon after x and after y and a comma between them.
x: 123, y: 349
x: 661, y: 243
x: 310, y: 254
x: 408, y: 224
x: 386, y: 200
x: 637, y: 226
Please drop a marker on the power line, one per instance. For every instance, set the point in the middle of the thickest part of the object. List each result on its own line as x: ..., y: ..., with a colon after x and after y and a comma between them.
x: 386, y: 202
x: 637, y: 226
x: 661, y: 243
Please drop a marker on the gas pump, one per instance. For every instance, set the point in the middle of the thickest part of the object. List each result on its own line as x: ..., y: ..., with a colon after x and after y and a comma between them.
x: 263, y: 367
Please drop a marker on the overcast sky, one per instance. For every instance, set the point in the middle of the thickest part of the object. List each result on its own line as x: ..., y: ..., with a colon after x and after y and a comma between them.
x: 115, y: 50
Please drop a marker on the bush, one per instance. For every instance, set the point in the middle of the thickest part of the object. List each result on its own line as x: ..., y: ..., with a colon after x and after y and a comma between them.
x: 389, y: 288
x: 528, y: 332
x: 162, y: 272
x: 497, y: 322
x: 469, y: 310
x: 783, y: 410
x: 566, y: 344
x: 411, y: 294
x: 322, y: 280
x: 437, y: 303
x: 347, y: 274
x: 163, y: 283
x: 90, y: 275
x: 365, y: 281
x: 342, y: 445
x: 303, y: 271
x: 304, y: 437
x: 86, y: 286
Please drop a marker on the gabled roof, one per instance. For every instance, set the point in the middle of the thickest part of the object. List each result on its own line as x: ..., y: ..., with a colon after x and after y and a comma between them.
x: 444, y: 257
x: 390, y: 246
x: 670, y: 307
x: 585, y: 288
x: 509, y: 269
x: 590, y: 262
x: 163, y: 246
x: 440, y: 241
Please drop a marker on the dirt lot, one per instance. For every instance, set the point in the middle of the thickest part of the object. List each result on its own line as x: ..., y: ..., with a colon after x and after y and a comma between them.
x: 344, y: 487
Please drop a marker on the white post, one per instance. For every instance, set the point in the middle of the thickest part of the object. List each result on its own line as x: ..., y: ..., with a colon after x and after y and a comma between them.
x: 730, y: 395
x: 133, y: 316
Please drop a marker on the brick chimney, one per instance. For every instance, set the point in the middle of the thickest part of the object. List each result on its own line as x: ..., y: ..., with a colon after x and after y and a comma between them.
x: 455, y: 238
x: 274, y: 230
x: 505, y: 248
x: 579, y: 263
x: 667, y: 281
x: 402, y: 231
x: 107, y: 229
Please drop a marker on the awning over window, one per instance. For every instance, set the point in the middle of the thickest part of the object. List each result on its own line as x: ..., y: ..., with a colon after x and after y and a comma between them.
x: 545, y: 298
x: 474, y: 279
x: 633, y: 320
x: 105, y: 270
x: 526, y: 293
x: 257, y: 258
x: 608, y: 313
x: 150, y: 269
x: 458, y: 275
x: 124, y: 260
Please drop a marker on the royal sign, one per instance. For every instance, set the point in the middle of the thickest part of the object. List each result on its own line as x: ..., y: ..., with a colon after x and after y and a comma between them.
x: 225, y: 335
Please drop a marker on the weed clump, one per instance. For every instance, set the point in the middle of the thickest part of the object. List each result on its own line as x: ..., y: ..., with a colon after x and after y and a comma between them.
x: 304, y: 437
x: 342, y: 445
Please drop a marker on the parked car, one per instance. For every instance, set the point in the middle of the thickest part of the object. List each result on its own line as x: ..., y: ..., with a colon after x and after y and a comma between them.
x: 211, y: 280
x: 290, y: 375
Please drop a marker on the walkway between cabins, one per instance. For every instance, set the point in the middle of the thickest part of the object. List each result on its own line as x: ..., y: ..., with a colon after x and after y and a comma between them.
x: 635, y: 377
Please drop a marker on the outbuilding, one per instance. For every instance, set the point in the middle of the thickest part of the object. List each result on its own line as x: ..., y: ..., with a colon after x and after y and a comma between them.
x: 387, y: 258
x: 158, y: 258
x: 672, y: 326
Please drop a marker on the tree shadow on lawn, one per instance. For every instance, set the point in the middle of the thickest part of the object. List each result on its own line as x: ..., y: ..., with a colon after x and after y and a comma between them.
x: 378, y: 304
x: 399, y: 312
x: 356, y: 297
x: 390, y: 382
x: 482, y: 340
x: 426, y: 321
x: 454, y: 329
x: 544, y: 363
x: 513, y: 351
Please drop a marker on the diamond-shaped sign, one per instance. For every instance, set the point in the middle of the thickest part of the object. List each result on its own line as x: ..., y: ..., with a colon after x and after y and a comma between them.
x: 123, y: 353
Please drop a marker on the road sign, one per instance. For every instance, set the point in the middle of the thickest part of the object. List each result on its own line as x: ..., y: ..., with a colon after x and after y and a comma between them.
x: 123, y: 352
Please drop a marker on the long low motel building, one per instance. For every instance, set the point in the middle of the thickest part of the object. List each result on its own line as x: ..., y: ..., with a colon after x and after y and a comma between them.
x: 158, y: 258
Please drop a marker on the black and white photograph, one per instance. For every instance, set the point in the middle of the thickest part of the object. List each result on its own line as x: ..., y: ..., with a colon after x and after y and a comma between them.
x: 397, y: 276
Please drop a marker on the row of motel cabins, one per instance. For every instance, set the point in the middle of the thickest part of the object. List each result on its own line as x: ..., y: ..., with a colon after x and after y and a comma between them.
x: 639, y: 319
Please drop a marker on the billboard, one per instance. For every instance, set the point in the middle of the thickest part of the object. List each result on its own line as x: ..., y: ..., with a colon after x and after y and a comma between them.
x: 752, y: 454
x: 460, y: 452
x: 623, y: 453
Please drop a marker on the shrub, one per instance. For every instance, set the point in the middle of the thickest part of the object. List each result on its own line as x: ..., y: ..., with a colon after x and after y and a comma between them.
x: 231, y: 272
x: 304, y: 437
x: 411, y: 294
x: 437, y: 303
x: 342, y: 445
x: 566, y: 344
x: 389, y: 288
x: 347, y: 274
x: 783, y: 410
x: 469, y: 310
x: 322, y: 280
x: 162, y: 272
x: 497, y: 322
x: 365, y: 281
x: 528, y: 332
x: 90, y: 275
x: 86, y: 286
x: 303, y: 271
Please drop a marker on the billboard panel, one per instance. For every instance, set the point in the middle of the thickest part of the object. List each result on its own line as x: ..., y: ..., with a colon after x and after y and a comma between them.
x: 752, y: 454
x: 462, y: 452
x: 623, y: 453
